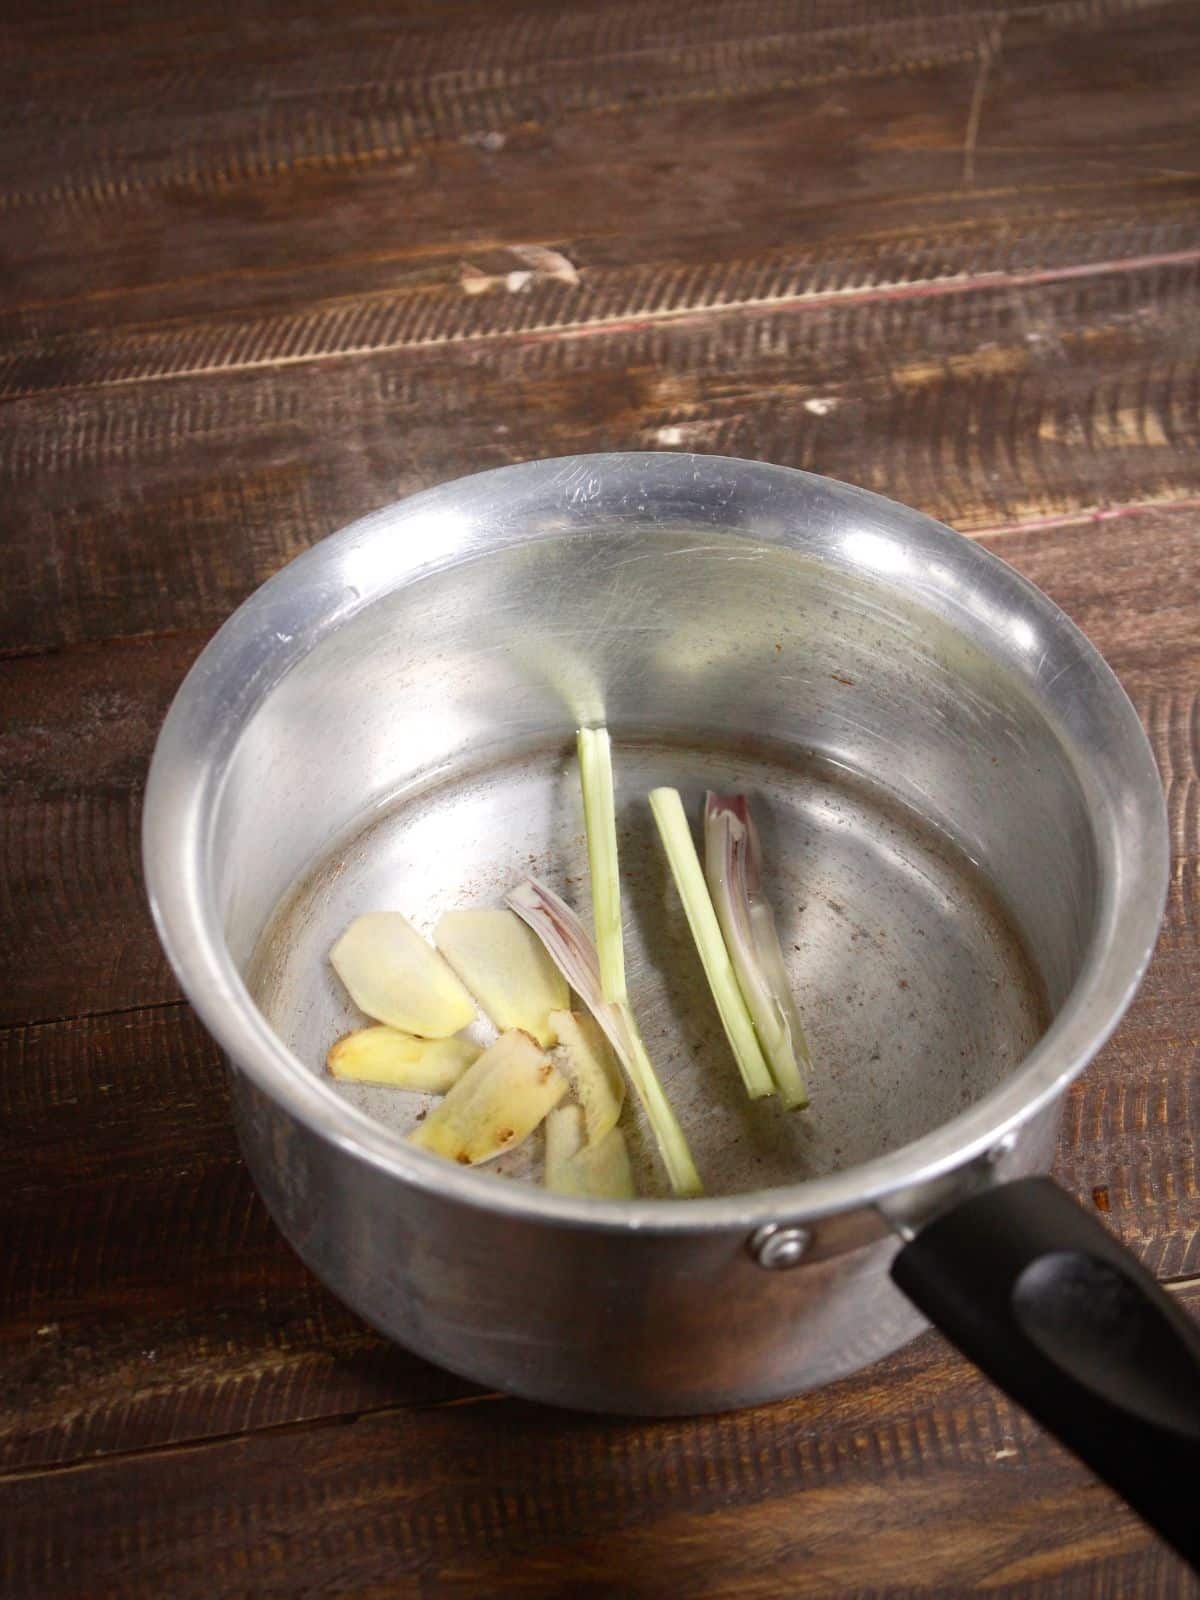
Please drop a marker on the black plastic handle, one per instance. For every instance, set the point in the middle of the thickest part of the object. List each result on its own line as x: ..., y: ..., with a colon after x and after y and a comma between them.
x: 1035, y: 1291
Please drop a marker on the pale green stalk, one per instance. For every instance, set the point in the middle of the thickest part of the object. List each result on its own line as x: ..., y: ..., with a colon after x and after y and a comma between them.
x: 733, y: 867
x: 574, y: 954
x: 706, y: 931
x: 600, y: 819
x: 677, y: 1158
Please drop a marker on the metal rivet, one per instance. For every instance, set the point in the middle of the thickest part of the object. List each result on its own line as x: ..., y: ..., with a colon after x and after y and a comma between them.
x: 1003, y: 1147
x: 776, y: 1247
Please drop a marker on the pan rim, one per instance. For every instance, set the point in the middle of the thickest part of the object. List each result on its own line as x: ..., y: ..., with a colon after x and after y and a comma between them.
x: 262, y: 641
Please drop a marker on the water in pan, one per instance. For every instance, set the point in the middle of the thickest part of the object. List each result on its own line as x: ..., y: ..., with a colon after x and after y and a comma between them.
x: 914, y: 991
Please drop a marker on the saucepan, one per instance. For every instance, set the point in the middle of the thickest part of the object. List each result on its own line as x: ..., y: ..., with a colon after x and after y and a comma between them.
x: 968, y: 860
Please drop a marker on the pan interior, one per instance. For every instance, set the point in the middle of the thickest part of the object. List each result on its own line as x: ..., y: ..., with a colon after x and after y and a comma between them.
x: 914, y: 987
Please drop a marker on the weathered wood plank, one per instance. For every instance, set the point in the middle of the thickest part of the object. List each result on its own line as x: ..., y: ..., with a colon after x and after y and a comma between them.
x: 986, y: 407
x: 165, y: 1308
x: 875, y: 1485
x: 128, y: 1096
x: 1131, y: 581
x: 536, y: 291
x: 76, y: 732
x: 1132, y: 1123
x: 255, y: 273
x: 356, y: 154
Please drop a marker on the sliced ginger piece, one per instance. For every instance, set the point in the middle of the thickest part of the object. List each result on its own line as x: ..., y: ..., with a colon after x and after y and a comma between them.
x: 496, y: 1104
x: 601, y: 1170
x: 505, y: 966
x: 565, y: 1133
x: 593, y: 1070
x: 394, y: 976
x: 400, y: 1060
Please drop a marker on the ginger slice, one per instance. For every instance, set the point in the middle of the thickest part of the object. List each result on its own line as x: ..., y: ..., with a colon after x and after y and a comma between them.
x: 393, y: 975
x: 496, y: 1104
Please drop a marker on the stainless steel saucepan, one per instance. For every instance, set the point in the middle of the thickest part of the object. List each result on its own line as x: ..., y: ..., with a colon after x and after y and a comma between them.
x: 968, y: 846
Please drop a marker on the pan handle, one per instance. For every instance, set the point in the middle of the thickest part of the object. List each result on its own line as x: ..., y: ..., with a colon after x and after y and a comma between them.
x: 1039, y: 1294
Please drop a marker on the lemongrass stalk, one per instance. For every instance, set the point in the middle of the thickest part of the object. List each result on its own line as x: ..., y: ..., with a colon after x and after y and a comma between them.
x: 600, y: 820
x: 569, y: 947
x: 681, y: 1169
x: 706, y: 931
x: 733, y: 866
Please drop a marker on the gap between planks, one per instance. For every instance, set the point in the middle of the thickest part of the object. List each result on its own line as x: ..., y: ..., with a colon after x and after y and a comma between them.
x: 178, y: 1004
x: 185, y: 1447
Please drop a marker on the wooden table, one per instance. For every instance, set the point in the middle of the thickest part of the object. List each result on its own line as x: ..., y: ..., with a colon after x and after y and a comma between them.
x: 268, y: 267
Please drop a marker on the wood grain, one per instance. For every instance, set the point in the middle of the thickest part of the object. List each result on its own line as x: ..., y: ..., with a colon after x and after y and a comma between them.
x: 76, y: 732
x: 258, y: 270
x: 345, y: 169
x: 536, y: 290
x: 167, y: 1308
x: 883, y: 1475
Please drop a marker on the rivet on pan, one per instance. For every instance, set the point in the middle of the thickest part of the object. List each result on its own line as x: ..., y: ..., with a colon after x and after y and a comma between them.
x: 776, y: 1247
x: 1003, y: 1147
